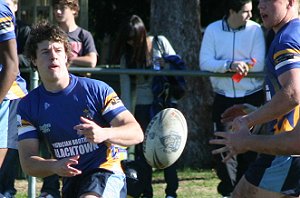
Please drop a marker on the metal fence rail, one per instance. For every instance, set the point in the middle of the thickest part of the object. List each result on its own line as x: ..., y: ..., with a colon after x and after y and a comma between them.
x: 115, y: 70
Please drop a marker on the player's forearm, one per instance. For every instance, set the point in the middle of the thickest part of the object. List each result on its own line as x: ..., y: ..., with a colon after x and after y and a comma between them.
x: 280, y: 104
x: 85, y: 61
x: 285, y: 143
x: 37, y: 166
x: 10, y: 66
x: 126, y: 135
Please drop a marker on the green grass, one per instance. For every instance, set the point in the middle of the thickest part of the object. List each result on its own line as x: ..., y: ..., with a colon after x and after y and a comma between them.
x: 192, y: 184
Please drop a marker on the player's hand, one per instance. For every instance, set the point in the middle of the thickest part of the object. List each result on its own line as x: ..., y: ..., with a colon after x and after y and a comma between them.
x: 64, y: 167
x: 92, y: 131
x: 235, y: 111
x: 240, y: 67
x: 233, y: 142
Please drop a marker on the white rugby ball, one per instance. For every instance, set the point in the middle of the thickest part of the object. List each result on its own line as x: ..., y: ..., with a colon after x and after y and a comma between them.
x: 165, y: 138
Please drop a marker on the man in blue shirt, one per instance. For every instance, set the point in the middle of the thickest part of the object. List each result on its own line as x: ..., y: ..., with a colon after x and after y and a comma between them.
x: 83, y: 121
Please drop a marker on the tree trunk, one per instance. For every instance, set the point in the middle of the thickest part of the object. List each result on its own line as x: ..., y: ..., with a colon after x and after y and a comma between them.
x: 179, y: 21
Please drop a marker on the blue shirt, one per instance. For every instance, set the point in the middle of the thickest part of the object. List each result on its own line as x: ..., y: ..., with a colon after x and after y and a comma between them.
x: 7, y: 32
x: 53, y: 116
x: 283, y: 55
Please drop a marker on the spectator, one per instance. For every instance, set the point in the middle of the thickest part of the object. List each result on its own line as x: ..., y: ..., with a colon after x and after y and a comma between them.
x: 276, y: 172
x: 229, y: 45
x: 84, y: 143
x: 134, y: 49
x: 12, y: 88
x: 84, y: 51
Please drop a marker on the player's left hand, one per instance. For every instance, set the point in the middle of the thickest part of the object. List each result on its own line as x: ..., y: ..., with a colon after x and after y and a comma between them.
x: 92, y: 131
x: 234, y: 142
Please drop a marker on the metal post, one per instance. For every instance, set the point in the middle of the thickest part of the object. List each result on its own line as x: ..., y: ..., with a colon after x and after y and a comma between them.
x: 34, y: 82
x: 34, y: 79
x: 31, y: 187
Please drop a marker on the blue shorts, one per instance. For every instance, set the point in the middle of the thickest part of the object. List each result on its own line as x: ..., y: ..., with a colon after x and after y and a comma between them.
x: 276, y: 173
x: 103, y: 182
x: 8, y: 124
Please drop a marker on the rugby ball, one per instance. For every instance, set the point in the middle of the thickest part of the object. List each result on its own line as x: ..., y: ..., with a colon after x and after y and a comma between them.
x: 165, y: 138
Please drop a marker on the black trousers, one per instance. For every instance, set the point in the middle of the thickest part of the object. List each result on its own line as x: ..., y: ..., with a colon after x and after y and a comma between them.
x: 231, y: 172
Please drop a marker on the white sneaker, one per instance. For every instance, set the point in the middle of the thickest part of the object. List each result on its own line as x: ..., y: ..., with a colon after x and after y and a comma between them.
x: 170, y: 197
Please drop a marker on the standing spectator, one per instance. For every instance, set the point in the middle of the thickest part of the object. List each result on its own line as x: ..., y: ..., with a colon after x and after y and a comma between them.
x: 12, y: 88
x: 81, y: 119
x: 276, y: 172
x: 84, y: 51
x: 134, y: 49
x: 228, y: 46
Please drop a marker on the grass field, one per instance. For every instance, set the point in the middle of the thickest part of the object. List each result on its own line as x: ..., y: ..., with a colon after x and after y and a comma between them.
x: 192, y: 184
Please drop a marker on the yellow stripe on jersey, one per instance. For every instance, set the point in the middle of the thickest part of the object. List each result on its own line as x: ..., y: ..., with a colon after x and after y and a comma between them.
x: 6, y: 25
x: 4, y: 19
x: 15, y: 91
x: 112, y: 101
x: 285, y: 124
x: 115, y: 154
x: 286, y: 51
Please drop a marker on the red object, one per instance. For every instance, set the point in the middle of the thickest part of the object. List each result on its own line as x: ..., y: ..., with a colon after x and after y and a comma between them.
x: 237, y: 77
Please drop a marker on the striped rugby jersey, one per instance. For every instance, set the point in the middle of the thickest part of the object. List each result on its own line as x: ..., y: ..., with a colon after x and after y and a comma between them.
x: 7, y: 32
x: 283, y: 55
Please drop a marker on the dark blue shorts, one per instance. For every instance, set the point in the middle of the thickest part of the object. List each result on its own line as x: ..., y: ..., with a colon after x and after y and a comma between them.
x: 100, y: 181
x: 276, y: 173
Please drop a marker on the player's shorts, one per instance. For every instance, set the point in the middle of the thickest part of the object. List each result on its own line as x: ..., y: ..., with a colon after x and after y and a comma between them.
x: 276, y: 173
x: 8, y: 124
x: 100, y: 181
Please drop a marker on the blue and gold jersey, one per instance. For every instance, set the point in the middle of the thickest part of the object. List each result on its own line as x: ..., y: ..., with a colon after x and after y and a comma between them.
x: 283, y: 55
x: 53, y: 116
x: 7, y: 32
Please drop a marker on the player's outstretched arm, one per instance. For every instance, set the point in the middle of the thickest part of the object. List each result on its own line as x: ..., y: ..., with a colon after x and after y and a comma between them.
x: 285, y: 100
x: 34, y: 165
x: 286, y: 143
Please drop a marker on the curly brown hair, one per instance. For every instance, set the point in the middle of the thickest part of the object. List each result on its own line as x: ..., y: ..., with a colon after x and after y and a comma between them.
x: 72, y: 4
x: 42, y: 31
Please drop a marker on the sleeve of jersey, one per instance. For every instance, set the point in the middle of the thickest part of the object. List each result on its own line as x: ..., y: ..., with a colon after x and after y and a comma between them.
x: 286, y: 57
x: 112, y: 105
x: 26, y: 130
x: 7, y: 28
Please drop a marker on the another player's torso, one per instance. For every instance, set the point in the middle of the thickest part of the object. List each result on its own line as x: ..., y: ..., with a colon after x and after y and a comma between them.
x: 283, y: 55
